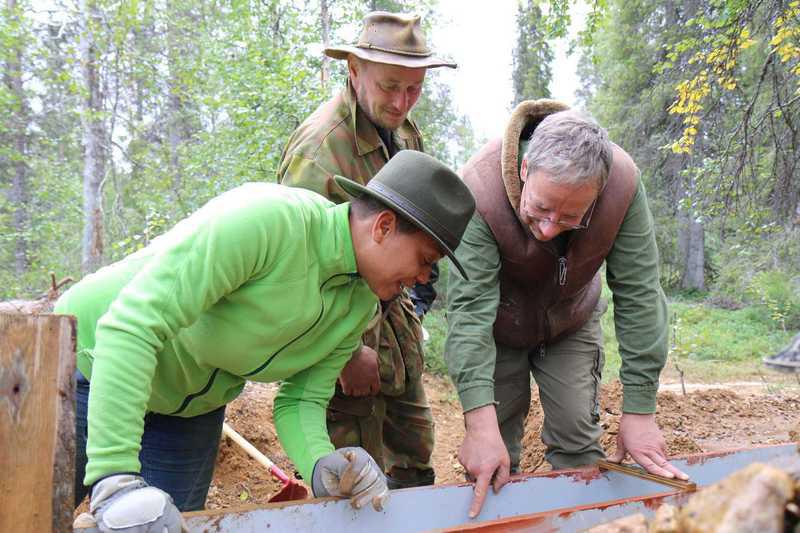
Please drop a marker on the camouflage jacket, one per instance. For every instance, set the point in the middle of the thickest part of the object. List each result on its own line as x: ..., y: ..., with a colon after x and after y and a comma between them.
x: 338, y: 138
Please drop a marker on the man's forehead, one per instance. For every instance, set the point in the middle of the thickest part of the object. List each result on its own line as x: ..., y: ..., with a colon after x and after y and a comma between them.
x: 544, y: 190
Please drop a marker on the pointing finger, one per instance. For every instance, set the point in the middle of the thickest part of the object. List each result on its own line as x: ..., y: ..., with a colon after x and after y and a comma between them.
x: 481, y: 488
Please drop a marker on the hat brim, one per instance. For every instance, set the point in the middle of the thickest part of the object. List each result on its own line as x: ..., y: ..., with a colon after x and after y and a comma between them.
x: 356, y: 190
x: 388, y: 58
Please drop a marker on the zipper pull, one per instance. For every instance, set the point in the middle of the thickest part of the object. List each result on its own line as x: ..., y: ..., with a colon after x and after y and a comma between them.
x: 562, y: 271
x: 541, y: 351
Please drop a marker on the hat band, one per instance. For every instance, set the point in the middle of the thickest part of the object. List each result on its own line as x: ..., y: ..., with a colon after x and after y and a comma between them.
x: 370, y: 46
x: 422, y: 217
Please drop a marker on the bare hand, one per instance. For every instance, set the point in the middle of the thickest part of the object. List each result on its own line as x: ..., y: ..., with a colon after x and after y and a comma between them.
x: 360, y: 376
x: 484, y: 455
x: 640, y: 436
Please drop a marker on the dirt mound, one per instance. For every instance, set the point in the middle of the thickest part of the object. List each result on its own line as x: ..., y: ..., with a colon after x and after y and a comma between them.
x: 702, y: 420
x: 238, y: 479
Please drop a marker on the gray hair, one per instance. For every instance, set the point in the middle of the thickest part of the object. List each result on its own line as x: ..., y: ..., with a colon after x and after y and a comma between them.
x: 571, y: 148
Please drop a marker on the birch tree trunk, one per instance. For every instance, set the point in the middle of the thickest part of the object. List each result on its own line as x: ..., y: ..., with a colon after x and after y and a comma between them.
x: 19, y: 194
x: 180, y: 20
x: 94, y: 153
x: 691, y: 238
x: 694, y: 269
x: 325, y: 23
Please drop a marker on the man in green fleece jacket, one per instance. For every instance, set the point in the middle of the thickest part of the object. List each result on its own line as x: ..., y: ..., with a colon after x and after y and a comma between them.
x: 264, y: 283
x: 556, y: 200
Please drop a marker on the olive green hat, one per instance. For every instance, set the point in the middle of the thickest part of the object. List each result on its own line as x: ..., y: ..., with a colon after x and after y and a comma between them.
x: 424, y: 191
x: 393, y: 39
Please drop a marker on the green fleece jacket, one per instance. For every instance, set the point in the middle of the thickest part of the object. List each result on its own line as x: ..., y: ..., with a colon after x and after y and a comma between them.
x: 259, y: 284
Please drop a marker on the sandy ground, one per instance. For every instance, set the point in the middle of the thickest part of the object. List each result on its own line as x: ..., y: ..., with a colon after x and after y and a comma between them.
x: 709, y: 417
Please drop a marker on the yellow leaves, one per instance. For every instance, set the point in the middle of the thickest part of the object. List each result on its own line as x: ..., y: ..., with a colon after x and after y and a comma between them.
x: 786, y: 41
x: 782, y: 43
x: 715, y: 56
x: 719, y: 63
x: 683, y: 145
x: 690, y: 95
x: 728, y: 83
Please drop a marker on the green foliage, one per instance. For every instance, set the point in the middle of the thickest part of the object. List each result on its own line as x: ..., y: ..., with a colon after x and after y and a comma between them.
x: 760, y: 267
x: 556, y: 17
x: 699, y: 332
x: 702, y: 332
x: 155, y: 224
x: 532, y: 70
x: 737, y: 113
x: 446, y: 135
x: 198, y: 98
x: 610, y: 345
x: 779, y: 295
x: 436, y: 325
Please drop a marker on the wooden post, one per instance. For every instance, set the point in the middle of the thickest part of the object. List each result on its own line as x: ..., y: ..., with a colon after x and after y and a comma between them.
x: 37, y: 422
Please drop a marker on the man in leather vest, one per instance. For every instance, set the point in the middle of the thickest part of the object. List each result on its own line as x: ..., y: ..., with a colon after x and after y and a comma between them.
x: 555, y: 200
x: 380, y: 403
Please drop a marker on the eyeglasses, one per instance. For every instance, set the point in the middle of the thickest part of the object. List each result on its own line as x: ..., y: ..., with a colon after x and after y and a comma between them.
x: 539, y: 216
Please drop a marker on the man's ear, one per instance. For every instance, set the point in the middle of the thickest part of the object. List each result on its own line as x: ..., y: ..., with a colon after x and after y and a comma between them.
x: 353, y: 67
x: 523, y: 170
x: 384, y: 225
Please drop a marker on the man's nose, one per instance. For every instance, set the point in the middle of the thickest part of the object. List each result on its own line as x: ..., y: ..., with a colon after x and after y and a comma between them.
x: 400, y: 101
x: 549, y: 229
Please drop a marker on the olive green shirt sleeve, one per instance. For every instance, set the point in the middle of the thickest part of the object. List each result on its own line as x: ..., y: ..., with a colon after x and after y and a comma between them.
x: 640, y: 307
x: 470, y: 350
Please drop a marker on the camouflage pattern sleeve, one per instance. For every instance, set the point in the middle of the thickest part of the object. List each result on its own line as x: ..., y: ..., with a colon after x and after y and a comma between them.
x: 296, y: 170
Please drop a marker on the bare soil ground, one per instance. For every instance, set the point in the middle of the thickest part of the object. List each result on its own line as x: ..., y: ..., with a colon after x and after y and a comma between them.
x: 709, y: 417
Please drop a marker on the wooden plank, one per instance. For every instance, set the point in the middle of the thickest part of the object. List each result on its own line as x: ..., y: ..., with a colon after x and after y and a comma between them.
x: 37, y: 422
x: 639, y: 472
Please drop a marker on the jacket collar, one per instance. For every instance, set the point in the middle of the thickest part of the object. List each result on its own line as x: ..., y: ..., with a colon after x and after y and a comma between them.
x: 525, y: 117
x: 367, y: 138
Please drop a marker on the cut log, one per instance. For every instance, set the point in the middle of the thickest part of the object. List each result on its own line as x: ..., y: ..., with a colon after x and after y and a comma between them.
x: 37, y: 422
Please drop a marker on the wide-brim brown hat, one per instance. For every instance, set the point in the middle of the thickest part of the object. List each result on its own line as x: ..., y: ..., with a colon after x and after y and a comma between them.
x: 424, y: 191
x: 393, y: 39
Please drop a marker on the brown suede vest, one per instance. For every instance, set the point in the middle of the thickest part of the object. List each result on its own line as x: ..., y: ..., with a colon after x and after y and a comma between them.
x: 544, y: 296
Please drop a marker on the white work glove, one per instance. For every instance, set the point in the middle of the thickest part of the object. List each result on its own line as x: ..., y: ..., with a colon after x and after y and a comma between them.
x: 351, y: 473
x: 125, y: 503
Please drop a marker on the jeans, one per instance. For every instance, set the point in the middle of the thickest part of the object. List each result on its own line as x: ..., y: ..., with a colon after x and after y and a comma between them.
x: 177, y: 455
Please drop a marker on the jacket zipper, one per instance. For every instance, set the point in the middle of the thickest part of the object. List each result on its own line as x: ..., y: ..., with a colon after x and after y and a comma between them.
x: 213, y: 376
x: 562, y: 270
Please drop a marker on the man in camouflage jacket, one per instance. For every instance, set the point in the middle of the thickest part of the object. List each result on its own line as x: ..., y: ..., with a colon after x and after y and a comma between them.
x: 380, y: 403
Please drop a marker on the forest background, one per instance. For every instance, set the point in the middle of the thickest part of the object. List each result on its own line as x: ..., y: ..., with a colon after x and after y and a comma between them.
x: 118, y: 118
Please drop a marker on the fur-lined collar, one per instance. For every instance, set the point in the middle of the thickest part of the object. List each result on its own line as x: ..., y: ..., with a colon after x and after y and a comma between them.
x: 525, y: 117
